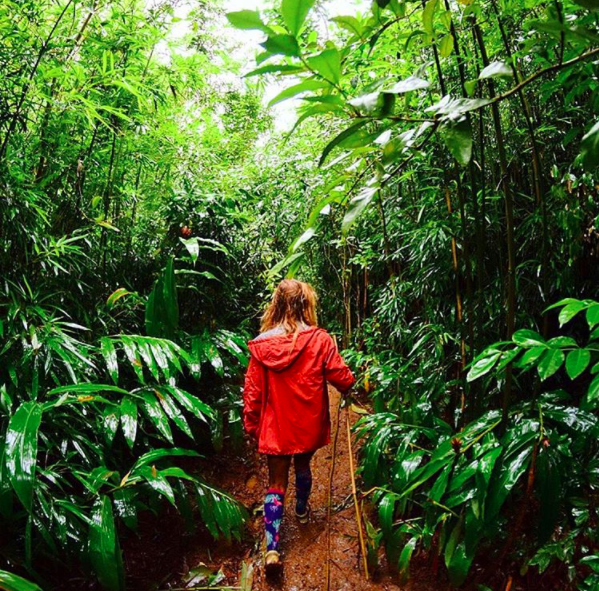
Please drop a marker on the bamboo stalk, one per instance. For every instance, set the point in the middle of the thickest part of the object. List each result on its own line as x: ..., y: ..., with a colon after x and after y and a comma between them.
x: 355, y: 495
x: 327, y: 585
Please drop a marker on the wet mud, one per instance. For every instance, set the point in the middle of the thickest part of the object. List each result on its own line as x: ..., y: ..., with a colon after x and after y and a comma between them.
x: 306, y: 549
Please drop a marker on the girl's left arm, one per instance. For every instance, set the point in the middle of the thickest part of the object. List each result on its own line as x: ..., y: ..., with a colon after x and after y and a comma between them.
x: 253, y: 391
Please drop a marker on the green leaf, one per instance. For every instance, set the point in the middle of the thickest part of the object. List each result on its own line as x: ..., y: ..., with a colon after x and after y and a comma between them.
x: 569, y: 311
x: 21, y: 450
x: 408, y: 85
x: 592, y: 397
x: 428, y: 15
x: 562, y: 342
x: 154, y: 412
x: 593, y: 315
x: 192, y: 404
x: 528, y: 338
x: 530, y: 356
x: 496, y: 70
x: 105, y: 554
x: 561, y: 303
x: 589, y: 148
x: 173, y: 412
x: 551, y: 361
x: 109, y: 354
x: 282, y: 45
x: 291, y: 91
x: 404, y: 559
x: 328, y: 64
x: 158, y: 482
x: 453, y: 109
x: 577, y: 362
x: 511, y: 471
x: 276, y: 68
x: 154, y: 455
x: 458, y: 138
x: 294, y: 14
x: 339, y: 139
x: 10, y: 582
x: 374, y: 102
x: 247, y: 20
x: 349, y: 23
x: 483, y: 365
x: 446, y: 45
x: 86, y: 389
x: 129, y: 420
x: 386, y: 512
x: 356, y: 206
x: 588, y: 4
x: 162, y: 308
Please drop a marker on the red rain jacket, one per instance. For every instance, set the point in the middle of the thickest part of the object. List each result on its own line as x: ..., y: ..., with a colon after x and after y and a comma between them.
x: 286, y: 401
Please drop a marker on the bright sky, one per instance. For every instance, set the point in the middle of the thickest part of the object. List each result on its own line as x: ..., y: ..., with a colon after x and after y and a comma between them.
x: 249, y: 44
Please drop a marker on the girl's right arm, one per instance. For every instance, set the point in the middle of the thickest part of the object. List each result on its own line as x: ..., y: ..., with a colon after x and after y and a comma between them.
x: 335, y: 369
x: 253, y: 392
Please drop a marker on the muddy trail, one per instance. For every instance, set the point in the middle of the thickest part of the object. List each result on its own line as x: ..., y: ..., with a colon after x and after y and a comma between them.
x: 306, y: 549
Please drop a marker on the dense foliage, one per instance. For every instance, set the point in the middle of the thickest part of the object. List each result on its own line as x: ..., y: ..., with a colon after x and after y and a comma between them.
x: 457, y: 200
x: 440, y: 189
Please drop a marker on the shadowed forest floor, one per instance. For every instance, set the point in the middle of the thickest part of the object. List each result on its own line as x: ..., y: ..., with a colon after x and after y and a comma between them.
x: 304, y: 547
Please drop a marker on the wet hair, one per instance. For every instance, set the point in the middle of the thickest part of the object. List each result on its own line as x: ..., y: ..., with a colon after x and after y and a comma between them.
x: 293, y: 303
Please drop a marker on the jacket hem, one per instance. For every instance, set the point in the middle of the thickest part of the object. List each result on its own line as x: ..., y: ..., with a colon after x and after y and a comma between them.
x: 300, y: 450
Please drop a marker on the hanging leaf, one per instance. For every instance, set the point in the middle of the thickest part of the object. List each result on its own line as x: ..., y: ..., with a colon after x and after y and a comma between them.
x: 357, y: 205
x: 483, y: 365
x: 327, y: 64
x: 283, y: 69
x: 105, y: 554
x: 458, y: 138
x: 409, y: 84
x: 21, y: 450
x: 305, y: 86
x: 247, y: 20
x: 568, y: 312
x: 446, y: 45
x: 551, y: 361
x: 10, y: 582
x: 282, y: 45
x: 449, y: 108
x: 577, y: 361
x: 528, y: 338
x: 428, y: 15
x: 496, y: 70
x: 162, y: 308
x: 589, y: 148
x: 339, y: 139
x: 592, y: 397
x: 109, y: 354
x: 349, y: 23
x: 192, y: 246
x: 129, y: 420
x: 294, y: 14
x: 404, y: 559
x: 381, y: 102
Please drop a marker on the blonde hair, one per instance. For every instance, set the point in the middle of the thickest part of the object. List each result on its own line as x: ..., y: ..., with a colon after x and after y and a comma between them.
x: 293, y: 303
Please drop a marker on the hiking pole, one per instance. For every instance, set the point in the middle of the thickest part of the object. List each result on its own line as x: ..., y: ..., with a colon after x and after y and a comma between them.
x: 330, y: 498
x: 355, y: 495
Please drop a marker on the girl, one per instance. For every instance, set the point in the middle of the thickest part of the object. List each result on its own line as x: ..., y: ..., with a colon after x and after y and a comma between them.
x: 286, y: 402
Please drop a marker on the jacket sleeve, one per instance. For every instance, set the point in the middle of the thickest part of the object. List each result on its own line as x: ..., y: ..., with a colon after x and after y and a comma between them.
x: 253, y: 392
x: 335, y: 369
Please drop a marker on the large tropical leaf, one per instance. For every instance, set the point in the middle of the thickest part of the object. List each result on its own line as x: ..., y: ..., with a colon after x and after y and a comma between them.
x: 21, y: 450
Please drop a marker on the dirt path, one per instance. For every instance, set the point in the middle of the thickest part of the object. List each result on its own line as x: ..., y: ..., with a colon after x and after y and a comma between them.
x: 304, y: 547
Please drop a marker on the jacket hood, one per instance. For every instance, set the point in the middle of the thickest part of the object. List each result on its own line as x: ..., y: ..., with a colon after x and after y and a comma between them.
x: 280, y: 351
